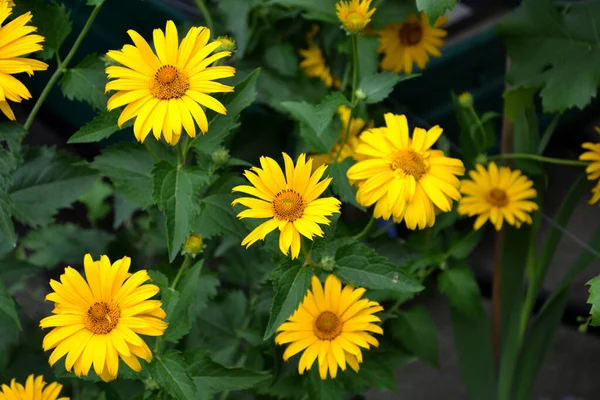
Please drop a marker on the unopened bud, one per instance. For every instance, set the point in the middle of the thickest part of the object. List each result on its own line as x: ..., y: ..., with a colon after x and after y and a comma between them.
x: 227, y: 43
x: 327, y: 263
x: 193, y: 245
x: 465, y: 99
x: 220, y: 156
x: 360, y: 94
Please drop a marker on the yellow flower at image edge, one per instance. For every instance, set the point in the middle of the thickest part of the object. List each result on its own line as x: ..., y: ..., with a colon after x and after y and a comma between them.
x: 497, y: 194
x: 330, y: 326
x: 164, y: 92
x: 290, y: 202
x: 98, y: 321
x: 412, y: 41
x: 17, y: 41
x: 354, y: 14
x: 405, y: 178
x: 593, y: 170
x: 35, y: 388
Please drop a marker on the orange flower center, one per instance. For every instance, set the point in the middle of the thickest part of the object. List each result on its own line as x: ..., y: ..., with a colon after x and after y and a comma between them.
x: 328, y: 326
x: 288, y: 206
x: 102, y: 317
x: 497, y: 197
x: 410, y: 162
x: 169, y: 83
x: 411, y: 33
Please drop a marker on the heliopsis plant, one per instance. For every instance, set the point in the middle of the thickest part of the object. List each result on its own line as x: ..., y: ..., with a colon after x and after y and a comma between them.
x: 354, y: 14
x: 35, y: 388
x: 593, y: 169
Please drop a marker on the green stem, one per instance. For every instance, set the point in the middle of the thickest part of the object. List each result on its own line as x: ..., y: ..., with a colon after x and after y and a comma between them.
x: 365, y: 230
x: 354, y: 41
x: 61, y: 68
x: 186, y: 263
x: 535, y: 157
x: 180, y: 154
x: 205, y: 13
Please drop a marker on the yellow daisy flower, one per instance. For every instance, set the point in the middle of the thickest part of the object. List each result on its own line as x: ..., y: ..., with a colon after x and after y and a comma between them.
x: 314, y: 66
x: 164, y: 92
x: 354, y: 14
x: 497, y: 194
x: 98, y: 321
x: 17, y: 40
x: 409, y: 42
x: 291, y: 202
x: 33, y: 390
x: 404, y: 177
x: 356, y: 127
x: 593, y: 170
x: 331, y: 325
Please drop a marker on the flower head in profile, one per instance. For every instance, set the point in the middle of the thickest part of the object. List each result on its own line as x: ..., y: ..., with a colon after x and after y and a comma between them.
x: 354, y: 14
x: 164, y: 89
x: 410, y: 42
x: 290, y: 202
x: 330, y: 326
x: 498, y: 195
x: 348, y: 150
x: 593, y: 170
x: 314, y: 65
x: 404, y: 177
x: 98, y: 320
x: 35, y: 388
x: 17, y: 40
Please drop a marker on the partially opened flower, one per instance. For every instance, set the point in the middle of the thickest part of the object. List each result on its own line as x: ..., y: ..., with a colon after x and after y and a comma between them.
x: 498, y: 195
x: 593, y: 170
x: 35, y: 389
x: 16, y: 40
x: 404, y: 177
x: 354, y: 14
x: 410, y: 42
x: 290, y: 202
x: 330, y: 326
x: 165, y: 92
x: 98, y: 320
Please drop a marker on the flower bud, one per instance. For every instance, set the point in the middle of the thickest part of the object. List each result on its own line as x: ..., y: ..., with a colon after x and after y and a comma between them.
x: 220, y: 156
x: 193, y: 245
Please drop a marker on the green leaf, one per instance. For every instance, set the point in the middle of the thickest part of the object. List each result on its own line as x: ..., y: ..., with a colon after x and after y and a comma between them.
x: 218, y: 378
x: 319, y: 389
x: 236, y: 21
x: 95, y: 200
x: 282, y: 58
x: 517, y: 100
x: 170, y: 372
x: 378, y: 87
x: 129, y: 167
x: 216, y: 216
x: 95, y: 3
x: 594, y: 299
x: 320, y: 10
x: 340, y: 183
x: 52, y: 176
x: 435, y: 8
x: 361, y: 266
x: 392, y: 12
x: 290, y: 281
x: 52, y: 20
x: 86, y: 82
x: 368, y: 58
x: 464, y: 245
x: 65, y: 244
x: 101, y: 127
x: 175, y: 191
x: 10, y: 137
x: 459, y: 285
x: 416, y: 331
x: 221, y: 126
x: 562, y: 42
x: 316, y: 119
x: 8, y: 307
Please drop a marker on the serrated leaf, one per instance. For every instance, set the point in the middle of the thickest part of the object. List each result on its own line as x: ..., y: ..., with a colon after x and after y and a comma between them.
x: 170, y: 372
x: 460, y: 286
x: 65, y: 244
x: 86, y: 82
x: 435, y: 8
x: 101, y: 127
x: 8, y: 307
x: 282, y: 58
x: 10, y: 136
x: 217, y: 216
x: 129, y: 167
x: 594, y: 299
x: 362, y: 266
x: 52, y: 20
x: 218, y: 378
x: 174, y: 190
x: 317, y: 120
x: 340, y: 183
x: 321, y: 10
x: 378, y: 87
x: 416, y: 331
x: 52, y: 176
x: 290, y: 281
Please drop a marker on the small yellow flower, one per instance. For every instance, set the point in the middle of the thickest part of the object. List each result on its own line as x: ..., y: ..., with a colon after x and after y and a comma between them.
x: 164, y: 92
x: 404, y: 177
x: 35, y: 389
x: 97, y: 321
x: 497, y: 194
x: 593, y: 170
x: 193, y: 245
x: 290, y: 202
x: 412, y: 41
x: 17, y: 40
x: 314, y: 65
x: 331, y: 325
x: 354, y: 14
